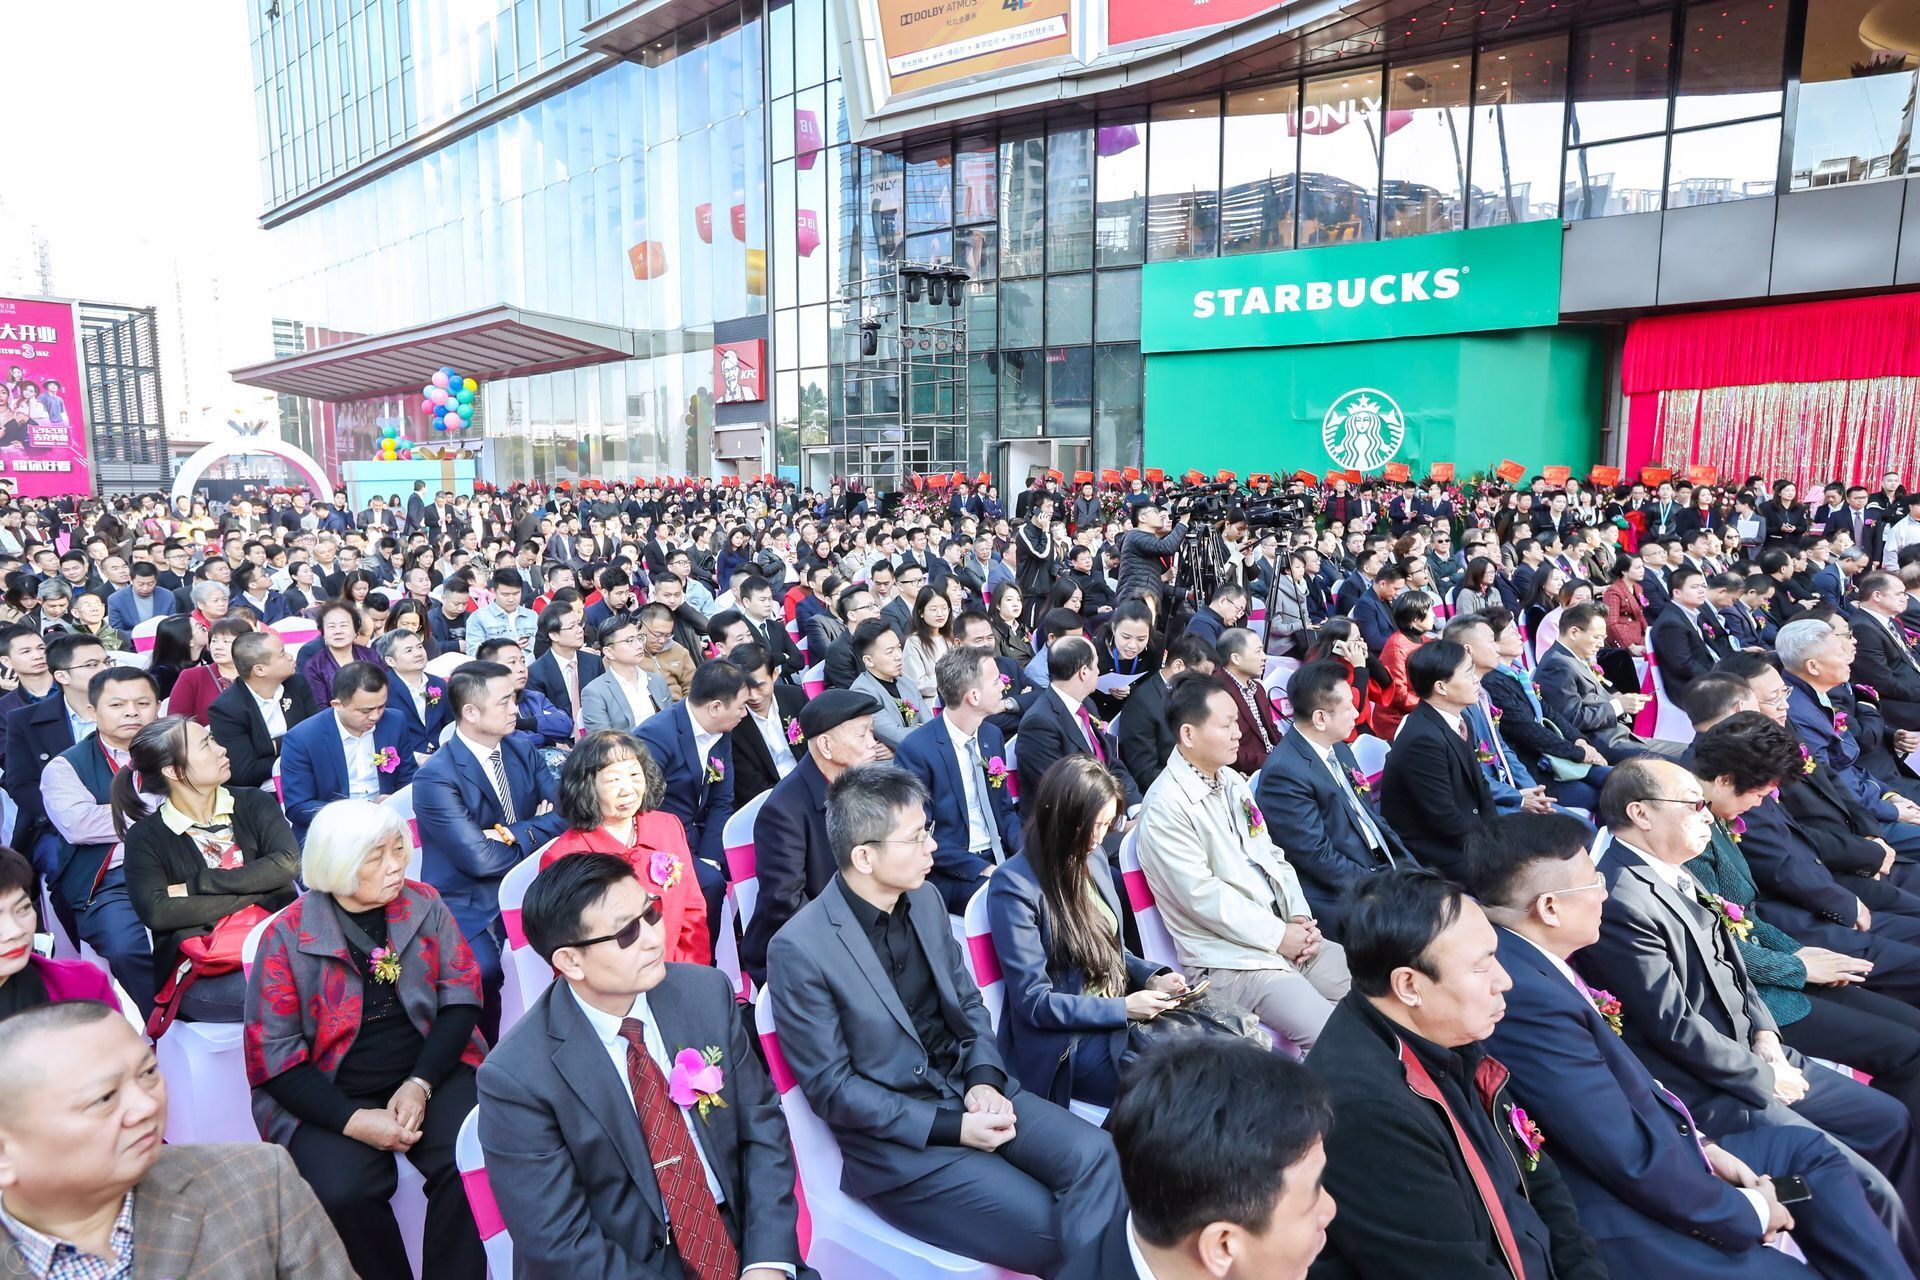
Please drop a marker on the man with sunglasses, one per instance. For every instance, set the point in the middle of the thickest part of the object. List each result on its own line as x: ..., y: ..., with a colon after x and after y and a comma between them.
x: 596, y: 1169
x: 934, y: 1134
x: 1689, y: 1010
x: 1658, y: 1197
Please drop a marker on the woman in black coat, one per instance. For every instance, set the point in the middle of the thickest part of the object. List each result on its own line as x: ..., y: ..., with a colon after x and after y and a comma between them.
x: 1786, y: 518
x: 201, y: 854
x: 1072, y: 987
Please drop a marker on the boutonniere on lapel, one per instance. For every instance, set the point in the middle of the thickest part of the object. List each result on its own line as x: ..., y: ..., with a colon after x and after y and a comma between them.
x: 696, y: 1079
x: 384, y: 965
x: 1595, y: 668
x: 1607, y: 1005
x: 1497, y: 713
x: 1839, y: 722
x: 794, y: 736
x: 1735, y: 829
x: 1867, y: 691
x: 1707, y: 632
x: 434, y: 694
x: 907, y: 714
x: 715, y: 771
x: 1256, y: 821
x: 1006, y: 682
x: 286, y: 704
x: 386, y: 759
x: 1807, y: 763
x: 665, y: 869
x: 1483, y: 753
x: 996, y: 773
x: 1359, y: 781
x: 1731, y: 914
x: 1527, y: 1133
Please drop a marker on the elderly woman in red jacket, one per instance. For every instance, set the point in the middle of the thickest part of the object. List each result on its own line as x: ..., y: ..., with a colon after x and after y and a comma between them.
x: 361, y: 1042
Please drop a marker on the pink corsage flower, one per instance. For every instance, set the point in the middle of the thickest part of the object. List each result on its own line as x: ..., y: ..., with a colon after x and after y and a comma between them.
x: 997, y: 772
x: 1867, y: 691
x: 1359, y: 780
x: 1256, y: 821
x: 1483, y: 753
x: 1607, y: 1005
x: 434, y: 694
x: 1497, y: 713
x: 793, y: 733
x: 664, y: 868
x: 715, y: 771
x: 696, y: 1079
x: 1839, y: 722
x: 386, y: 759
x: 1807, y: 763
x: 1532, y: 1141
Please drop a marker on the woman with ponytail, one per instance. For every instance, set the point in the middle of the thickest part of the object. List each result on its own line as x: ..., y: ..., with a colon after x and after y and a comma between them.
x: 198, y: 854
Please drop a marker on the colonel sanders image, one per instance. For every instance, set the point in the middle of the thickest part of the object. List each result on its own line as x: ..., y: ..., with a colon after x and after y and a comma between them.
x: 735, y: 379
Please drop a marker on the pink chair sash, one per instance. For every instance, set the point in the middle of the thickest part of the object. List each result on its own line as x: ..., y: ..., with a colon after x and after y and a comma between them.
x: 486, y: 1210
x: 814, y: 688
x: 777, y: 1068
x: 1139, y: 895
x: 1649, y: 716
x: 986, y: 964
x: 510, y: 920
x: 741, y: 863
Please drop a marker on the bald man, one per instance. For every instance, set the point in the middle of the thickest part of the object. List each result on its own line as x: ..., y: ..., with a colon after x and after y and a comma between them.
x: 85, y: 1180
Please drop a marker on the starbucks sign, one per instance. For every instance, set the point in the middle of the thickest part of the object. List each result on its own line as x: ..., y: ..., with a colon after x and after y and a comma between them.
x: 1363, y: 430
x: 1453, y: 282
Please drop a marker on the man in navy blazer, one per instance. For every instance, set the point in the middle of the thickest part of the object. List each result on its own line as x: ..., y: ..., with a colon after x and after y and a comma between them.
x: 315, y: 768
x: 1433, y: 783
x: 420, y: 700
x: 975, y: 826
x: 1317, y: 805
x: 691, y: 743
x: 469, y: 837
x: 39, y: 731
x: 1373, y: 611
x: 1059, y: 723
x: 1678, y: 636
x: 124, y: 611
x: 545, y: 677
x: 1660, y: 1197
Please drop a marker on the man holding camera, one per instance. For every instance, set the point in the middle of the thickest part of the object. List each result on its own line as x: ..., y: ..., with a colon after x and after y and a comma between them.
x: 1147, y: 551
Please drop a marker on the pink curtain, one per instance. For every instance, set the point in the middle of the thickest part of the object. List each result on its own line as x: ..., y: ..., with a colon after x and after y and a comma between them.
x: 1853, y: 338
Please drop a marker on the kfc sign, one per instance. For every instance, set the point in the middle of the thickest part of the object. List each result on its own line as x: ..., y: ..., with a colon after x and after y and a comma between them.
x: 739, y: 371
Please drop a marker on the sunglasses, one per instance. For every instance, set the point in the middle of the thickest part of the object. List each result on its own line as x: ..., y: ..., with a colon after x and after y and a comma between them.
x: 1698, y: 806
x: 628, y: 933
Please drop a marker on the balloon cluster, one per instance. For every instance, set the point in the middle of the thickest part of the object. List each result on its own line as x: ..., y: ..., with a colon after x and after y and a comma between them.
x: 449, y: 398
x: 392, y: 446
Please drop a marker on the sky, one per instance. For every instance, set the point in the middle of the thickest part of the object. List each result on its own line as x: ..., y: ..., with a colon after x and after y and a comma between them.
x: 140, y: 169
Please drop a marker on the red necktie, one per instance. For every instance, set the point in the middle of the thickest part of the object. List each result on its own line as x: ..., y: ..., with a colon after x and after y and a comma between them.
x: 706, y: 1250
x: 1093, y: 736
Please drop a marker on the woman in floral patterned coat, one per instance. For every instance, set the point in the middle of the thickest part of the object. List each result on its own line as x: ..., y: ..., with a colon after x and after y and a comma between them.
x: 610, y: 794
x: 360, y: 1042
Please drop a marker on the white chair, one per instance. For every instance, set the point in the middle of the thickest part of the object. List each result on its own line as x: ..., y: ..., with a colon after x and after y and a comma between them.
x: 1670, y: 722
x: 814, y: 679
x: 295, y: 631
x: 251, y: 947
x: 523, y: 974
x: 471, y: 1161
x: 445, y: 664
x: 209, y: 1100
x: 1156, y: 944
x: 1370, y: 753
x: 143, y: 633
x: 139, y: 659
x: 743, y: 891
x: 981, y: 957
x: 840, y: 1236
x: 401, y: 802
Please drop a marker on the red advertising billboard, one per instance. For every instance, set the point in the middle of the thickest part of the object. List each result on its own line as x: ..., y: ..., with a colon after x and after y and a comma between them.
x: 1130, y: 21
x: 43, y: 428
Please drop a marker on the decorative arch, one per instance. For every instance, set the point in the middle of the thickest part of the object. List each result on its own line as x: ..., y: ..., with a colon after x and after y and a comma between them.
x: 239, y: 447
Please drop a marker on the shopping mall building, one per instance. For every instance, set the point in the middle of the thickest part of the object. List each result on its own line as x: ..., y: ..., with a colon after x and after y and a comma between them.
x: 856, y: 238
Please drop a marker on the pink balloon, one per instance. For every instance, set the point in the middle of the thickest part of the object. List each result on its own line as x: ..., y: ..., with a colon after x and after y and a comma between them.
x: 440, y: 395
x: 440, y: 379
x: 426, y: 405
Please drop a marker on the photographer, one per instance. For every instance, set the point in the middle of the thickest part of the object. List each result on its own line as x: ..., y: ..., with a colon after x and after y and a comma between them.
x: 1147, y: 551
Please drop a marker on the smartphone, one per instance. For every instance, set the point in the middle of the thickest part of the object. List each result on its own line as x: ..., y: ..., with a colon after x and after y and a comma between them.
x: 1192, y: 993
x: 1791, y: 1190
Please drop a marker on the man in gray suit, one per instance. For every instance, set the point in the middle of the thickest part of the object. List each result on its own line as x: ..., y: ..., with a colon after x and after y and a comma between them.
x: 618, y: 698
x: 885, y: 1031
x: 876, y: 647
x: 597, y: 1172
x: 1690, y: 1011
x: 1579, y: 701
x: 88, y: 1182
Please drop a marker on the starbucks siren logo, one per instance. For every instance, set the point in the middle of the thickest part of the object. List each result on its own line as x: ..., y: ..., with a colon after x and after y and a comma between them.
x: 1363, y: 430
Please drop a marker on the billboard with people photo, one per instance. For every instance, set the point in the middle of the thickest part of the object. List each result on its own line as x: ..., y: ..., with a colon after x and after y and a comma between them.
x: 43, y: 429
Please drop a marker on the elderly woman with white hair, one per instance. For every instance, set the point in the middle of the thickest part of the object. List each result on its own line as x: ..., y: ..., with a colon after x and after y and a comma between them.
x: 210, y: 600
x: 361, y: 1042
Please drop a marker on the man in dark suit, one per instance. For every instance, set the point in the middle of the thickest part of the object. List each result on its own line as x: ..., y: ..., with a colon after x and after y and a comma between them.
x: 1243, y: 664
x: 1837, y: 732
x: 1693, y: 1014
x: 254, y: 713
x: 419, y: 699
x: 840, y: 667
x: 1434, y: 1174
x: 1886, y: 660
x: 1373, y: 610
x: 1146, y: 739
x: 1059, y: 723
x: 884, y: 1028
x: 1678, y: 636
x: 546, y: 678
x: 689, y: 741
x: 1221, y: 1149
x: 361, y: 750
x: 972, y: 630
x: 596, y: 1170
x: 766, y: 742
x: 484, y: 804
x: 1225, y: 609
x: 961, y: 760
x: 39, y: 731
x: 1660, y: 1197
x: 1864, y: 524
x: 1433, y: 784
x: 792, y: 856
x: 1317, y: 804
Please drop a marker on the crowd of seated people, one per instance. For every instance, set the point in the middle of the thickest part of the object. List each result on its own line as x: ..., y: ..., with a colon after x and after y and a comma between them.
x: 1531, y: 856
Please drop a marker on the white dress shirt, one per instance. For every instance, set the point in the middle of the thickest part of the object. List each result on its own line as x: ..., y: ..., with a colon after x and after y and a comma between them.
x: 363, y: 776
x: 270, y: 712
x: 703, y: 744
x: 607, y: 1028
x: 1140, y: 1266
x: 485, y: 756
x: 979, y: 830
x: 80, y: 723
x: 638, y: 698
x: 774, y: 734
x: 1073, y: 710
x: 419, y: 695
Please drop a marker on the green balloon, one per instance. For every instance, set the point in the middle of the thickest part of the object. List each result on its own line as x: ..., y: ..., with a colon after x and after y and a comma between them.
x: 465, y: 397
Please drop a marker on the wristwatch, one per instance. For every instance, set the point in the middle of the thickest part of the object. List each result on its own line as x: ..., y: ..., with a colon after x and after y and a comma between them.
x: 424, y: 1086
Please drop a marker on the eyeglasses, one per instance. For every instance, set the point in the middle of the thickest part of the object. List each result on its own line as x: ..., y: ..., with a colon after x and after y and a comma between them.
x: 1598, y: 882
x: 920, y: 838
x: 1698, y: 806
x: 629, y: 933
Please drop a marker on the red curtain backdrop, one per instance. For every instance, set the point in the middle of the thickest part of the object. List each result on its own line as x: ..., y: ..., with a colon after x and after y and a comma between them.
x: 1813, y: 391
x: 1797, y: 342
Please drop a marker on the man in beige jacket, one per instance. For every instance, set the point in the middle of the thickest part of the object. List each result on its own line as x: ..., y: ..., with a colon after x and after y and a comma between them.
x: 1225, y: 891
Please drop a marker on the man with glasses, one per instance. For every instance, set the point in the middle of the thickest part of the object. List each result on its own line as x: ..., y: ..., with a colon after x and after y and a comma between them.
x: 898, y: 612
x: 935, y: 1135
x: 1885, y: 658
x: 1690, y: 1011
x: 623, y: 695
x: 662, y: 654
x: 702, y: 1190
x: 1658, y: 1197
x: 38, y: 732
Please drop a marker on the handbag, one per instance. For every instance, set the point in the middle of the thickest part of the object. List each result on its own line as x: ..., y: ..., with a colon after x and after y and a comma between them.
x: 208, y: 955
x: 1208, y: 1016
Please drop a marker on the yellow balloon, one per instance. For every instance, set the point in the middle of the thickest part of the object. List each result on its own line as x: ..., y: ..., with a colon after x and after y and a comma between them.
x: 469, y: 384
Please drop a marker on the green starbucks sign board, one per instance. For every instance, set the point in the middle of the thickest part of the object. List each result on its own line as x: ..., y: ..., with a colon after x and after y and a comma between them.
x: 1440, y: 348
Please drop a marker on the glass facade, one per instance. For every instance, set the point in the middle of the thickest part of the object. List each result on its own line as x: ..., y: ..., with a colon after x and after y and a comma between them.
x: 635, y: 198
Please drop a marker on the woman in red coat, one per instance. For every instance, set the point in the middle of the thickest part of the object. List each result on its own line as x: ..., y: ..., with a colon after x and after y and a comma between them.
x: 197, y: 687
x: 609, y: 791
x: 1412, y: 616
